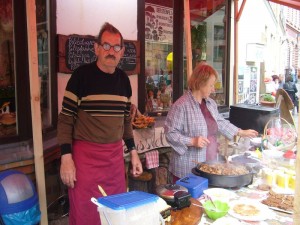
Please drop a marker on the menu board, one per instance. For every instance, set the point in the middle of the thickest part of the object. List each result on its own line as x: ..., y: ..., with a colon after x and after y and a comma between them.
x: 76, y: 50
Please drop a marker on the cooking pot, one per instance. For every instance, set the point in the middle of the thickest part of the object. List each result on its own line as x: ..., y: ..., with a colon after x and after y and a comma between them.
x: 225, y: 181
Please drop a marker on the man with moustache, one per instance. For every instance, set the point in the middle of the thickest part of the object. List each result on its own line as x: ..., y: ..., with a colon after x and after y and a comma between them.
x: 95, y: 117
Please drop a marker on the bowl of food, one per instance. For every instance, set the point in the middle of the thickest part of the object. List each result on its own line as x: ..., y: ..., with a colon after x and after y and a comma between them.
x: 215, y: 209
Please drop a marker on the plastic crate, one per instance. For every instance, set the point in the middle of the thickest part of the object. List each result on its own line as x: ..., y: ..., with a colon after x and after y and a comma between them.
x: 131, y: 208
x: 195, y: 184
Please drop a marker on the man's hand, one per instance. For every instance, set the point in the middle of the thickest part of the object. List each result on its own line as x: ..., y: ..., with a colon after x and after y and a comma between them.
x: 137, y: 168
x: 68, y: 170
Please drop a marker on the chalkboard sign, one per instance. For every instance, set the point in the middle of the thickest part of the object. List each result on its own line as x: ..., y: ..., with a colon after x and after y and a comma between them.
x: 76, y: 50
x: 128, y: 61
x: 79, y: 50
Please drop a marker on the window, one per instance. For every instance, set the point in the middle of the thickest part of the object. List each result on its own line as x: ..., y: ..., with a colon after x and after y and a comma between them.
x: 7, y: 71
x: 209, y: 40
x: 14, y: 79
x: 158, y: 55
x: 164, y: 62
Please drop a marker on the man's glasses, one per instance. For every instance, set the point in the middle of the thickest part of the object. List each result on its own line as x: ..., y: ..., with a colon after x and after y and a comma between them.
x: 107, y: 47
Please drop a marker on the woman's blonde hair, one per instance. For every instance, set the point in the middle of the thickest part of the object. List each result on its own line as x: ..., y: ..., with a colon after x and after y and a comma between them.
x: 201, y: 75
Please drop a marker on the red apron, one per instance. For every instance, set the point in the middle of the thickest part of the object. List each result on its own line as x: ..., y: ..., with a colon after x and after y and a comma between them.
x: 212, y: 131
x: 96, y: 164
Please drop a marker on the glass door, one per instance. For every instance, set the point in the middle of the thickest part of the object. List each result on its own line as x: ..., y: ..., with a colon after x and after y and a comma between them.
x: 209, y: 40
x: 158, y: 55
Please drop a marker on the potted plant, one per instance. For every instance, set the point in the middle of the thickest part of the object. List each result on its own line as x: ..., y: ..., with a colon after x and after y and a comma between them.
x: 198, y: 38
x: 267, y: 100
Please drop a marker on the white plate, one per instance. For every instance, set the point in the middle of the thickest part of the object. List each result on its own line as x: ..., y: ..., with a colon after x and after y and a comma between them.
x: 264, y: 211
x: 227, y: 221
x: 220, y: 194
x: 284, y: 191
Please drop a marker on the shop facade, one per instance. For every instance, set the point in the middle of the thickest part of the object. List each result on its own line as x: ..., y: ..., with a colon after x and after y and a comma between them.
x: 161, y: 65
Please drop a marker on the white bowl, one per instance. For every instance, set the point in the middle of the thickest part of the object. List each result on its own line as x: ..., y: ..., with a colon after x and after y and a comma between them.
x: 221, y: 194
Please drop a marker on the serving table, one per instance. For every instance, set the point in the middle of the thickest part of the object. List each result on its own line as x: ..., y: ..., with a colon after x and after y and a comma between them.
x: 251, y: 193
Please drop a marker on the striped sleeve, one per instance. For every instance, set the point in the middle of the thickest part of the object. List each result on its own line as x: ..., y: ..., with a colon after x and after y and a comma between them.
x: 71, y: 99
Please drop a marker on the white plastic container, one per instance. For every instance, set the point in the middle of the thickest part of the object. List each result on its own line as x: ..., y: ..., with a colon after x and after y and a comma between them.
x: 131, y: 208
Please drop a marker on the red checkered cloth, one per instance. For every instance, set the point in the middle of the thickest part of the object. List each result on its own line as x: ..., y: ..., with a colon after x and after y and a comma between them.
x: 152, y: 159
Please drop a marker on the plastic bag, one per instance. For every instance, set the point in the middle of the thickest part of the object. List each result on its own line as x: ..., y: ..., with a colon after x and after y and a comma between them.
x: 30, y: 216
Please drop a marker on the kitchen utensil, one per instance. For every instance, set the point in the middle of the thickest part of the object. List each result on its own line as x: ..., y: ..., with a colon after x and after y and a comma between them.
x: 226, y: 150
x: 246, y: 159
x: 102, y: 191
x: 203, y: 207
x: 212, y: 202
x: 226, y: 181
x: 216, y: 209
x: 221, y: 194
x: 175, y: 195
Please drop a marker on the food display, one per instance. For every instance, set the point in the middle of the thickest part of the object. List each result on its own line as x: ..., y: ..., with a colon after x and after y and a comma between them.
x: 249, y: 210
x: 246, y: 210
x: 143, y: 122
x: 280, y: 201
x: 280, y: 135
x: 224, y: 169
x: 225, y: 175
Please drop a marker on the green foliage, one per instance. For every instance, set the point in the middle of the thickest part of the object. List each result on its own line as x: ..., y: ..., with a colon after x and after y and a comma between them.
x: 268, y: 98
x: 198, y: 36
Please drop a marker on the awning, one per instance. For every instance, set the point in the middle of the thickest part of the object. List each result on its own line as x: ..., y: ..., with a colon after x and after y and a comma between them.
x: 290, y: 3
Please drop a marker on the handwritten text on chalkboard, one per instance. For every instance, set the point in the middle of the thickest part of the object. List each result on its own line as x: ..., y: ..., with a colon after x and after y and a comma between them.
x: 76, y: 50
x: 79, y: 51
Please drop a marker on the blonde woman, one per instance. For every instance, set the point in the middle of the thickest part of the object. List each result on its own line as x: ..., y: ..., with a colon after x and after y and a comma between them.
x: 193, y: 123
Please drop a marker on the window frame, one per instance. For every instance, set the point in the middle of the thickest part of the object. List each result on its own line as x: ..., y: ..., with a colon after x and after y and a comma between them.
x: 22, y: 81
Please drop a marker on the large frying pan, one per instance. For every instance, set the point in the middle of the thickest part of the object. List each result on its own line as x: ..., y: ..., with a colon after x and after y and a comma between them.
x: 225, y: 181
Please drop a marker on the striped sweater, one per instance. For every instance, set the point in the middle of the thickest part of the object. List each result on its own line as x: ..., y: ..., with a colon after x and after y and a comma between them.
x: 95, y: 108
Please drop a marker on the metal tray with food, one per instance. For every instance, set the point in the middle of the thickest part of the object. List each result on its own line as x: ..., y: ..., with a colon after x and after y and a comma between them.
x: 222, y: 174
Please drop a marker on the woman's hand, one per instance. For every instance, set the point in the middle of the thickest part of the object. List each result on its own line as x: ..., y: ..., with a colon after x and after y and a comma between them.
x: 248, y: 133
x: 200, y: 142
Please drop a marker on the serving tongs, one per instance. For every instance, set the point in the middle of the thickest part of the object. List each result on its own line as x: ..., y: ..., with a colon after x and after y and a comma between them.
x: 226, y: 151
x: 212, y: 202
